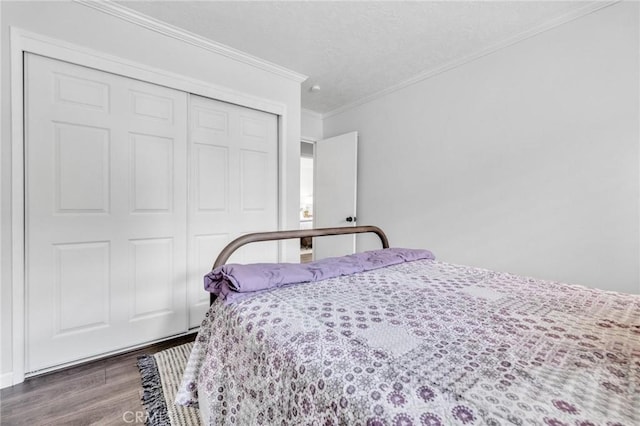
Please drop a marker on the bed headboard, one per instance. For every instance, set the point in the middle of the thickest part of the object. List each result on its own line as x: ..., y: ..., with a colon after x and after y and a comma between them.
x: 287, y: 235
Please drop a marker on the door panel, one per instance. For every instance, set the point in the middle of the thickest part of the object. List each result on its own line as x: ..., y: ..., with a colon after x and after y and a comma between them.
x: 80, y: 304
x: 81, y: 186
x: 334, y: 194
x: 106, y: 200
x: 151, y: 277
x: 234, y: 188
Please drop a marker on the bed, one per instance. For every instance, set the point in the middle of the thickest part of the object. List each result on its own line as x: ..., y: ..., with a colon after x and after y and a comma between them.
x: 411, y: 341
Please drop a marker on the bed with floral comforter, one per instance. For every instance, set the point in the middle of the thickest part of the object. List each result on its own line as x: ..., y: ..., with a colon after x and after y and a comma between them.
x: 422, y: 342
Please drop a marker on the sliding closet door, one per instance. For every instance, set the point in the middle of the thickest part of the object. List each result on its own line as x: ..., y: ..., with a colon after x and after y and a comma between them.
x: 106, y: 216
x: 234, y: 188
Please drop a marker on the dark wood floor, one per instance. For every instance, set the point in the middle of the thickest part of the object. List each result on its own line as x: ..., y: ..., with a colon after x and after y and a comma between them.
x: 103, y: 392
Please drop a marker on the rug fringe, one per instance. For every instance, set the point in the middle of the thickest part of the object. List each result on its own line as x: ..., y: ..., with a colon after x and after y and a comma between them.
x: 152, y: 395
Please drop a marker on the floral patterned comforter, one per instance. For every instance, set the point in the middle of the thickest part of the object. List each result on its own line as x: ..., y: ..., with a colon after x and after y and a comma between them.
x: 420, y: 343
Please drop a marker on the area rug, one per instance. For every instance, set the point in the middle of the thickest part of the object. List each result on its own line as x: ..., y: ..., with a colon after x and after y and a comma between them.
x: 161, y: 374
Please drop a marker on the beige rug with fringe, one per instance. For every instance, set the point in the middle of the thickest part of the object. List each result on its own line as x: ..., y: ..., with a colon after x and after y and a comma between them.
x: 161, y: 374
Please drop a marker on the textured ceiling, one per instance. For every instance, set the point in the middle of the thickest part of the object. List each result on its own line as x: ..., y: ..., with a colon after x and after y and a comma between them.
x: 353, y: 50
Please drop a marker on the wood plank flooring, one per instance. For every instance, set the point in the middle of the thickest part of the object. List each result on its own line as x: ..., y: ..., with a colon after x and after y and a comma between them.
x: 102, y: 392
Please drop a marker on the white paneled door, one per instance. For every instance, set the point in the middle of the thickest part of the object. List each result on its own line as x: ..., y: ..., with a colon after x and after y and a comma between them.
x: 132, y: 189
x: 234, y: 190
x: 335, y: 192
x: 106, y: 194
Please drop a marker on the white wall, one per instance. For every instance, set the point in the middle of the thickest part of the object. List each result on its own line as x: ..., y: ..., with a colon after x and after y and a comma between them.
x: 78, y: 24
x: 311, y: 126
x: 525, y: 160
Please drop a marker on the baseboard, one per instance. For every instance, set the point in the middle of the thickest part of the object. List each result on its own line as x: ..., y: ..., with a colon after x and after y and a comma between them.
x: 6, y: 380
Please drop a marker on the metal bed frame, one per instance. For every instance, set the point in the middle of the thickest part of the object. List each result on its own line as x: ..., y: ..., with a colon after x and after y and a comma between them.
x: 287, y: 235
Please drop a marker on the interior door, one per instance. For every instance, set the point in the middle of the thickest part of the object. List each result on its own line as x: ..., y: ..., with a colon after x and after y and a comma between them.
x: 106, y: 195
x: 335, y: 190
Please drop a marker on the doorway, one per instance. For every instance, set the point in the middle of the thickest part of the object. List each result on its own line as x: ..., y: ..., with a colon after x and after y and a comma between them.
x: 306, y: 199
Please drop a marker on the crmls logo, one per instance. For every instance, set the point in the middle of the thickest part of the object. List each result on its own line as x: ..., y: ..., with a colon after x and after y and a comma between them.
x: 134, y: 417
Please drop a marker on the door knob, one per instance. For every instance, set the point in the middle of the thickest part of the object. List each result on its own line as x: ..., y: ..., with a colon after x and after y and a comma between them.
x: 351, y: 219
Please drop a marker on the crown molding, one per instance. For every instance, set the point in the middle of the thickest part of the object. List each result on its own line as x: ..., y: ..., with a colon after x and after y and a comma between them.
x: 311, y: 113
x: 551, y: 24
x: 137, y: 18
